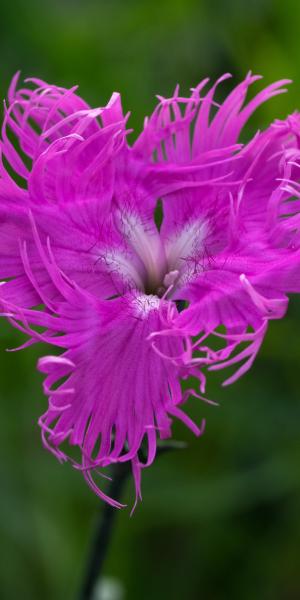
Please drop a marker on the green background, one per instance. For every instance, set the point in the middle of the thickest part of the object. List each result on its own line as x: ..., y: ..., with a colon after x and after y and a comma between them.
x: 220, y: 519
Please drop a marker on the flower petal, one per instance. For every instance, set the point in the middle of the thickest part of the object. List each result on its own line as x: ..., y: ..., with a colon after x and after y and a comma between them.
x: 242, y: 306
x: 103, y: 397
x: 71, y: 146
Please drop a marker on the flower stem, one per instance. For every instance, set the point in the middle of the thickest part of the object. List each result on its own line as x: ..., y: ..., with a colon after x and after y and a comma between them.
x: 103, y: 533
x: 105, y: 526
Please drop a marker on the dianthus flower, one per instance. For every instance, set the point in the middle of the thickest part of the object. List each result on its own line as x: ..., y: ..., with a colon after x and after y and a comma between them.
x: 134, y: 259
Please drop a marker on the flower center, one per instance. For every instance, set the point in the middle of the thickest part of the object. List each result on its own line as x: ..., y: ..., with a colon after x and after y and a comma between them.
x: 145, y: 240
x: 143, y: 304
x: 162, y: 260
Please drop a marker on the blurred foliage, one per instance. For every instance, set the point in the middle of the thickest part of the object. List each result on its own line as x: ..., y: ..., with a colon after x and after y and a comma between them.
x: 220, y: 519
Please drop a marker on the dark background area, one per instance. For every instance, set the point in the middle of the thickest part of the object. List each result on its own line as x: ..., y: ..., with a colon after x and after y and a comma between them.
x: 220, y: 519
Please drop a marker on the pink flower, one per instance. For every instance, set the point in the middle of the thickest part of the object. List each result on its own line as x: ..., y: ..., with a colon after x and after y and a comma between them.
x: 132, y: 304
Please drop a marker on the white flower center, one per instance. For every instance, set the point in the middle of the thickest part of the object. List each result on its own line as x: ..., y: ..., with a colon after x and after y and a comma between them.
x: 186, y: 243
x: 116, y: 261
x: 152, y: 262
x: 144, y: 303
x: 146, y: 241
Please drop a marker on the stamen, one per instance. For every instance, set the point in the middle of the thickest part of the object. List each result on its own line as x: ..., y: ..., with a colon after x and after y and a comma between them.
x: 170, y: 278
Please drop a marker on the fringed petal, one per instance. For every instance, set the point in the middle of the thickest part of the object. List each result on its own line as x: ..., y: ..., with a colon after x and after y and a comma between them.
x: 71, y: 147
x: 222, y: 298
x: 167, y: 131
x: 108, y: 418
